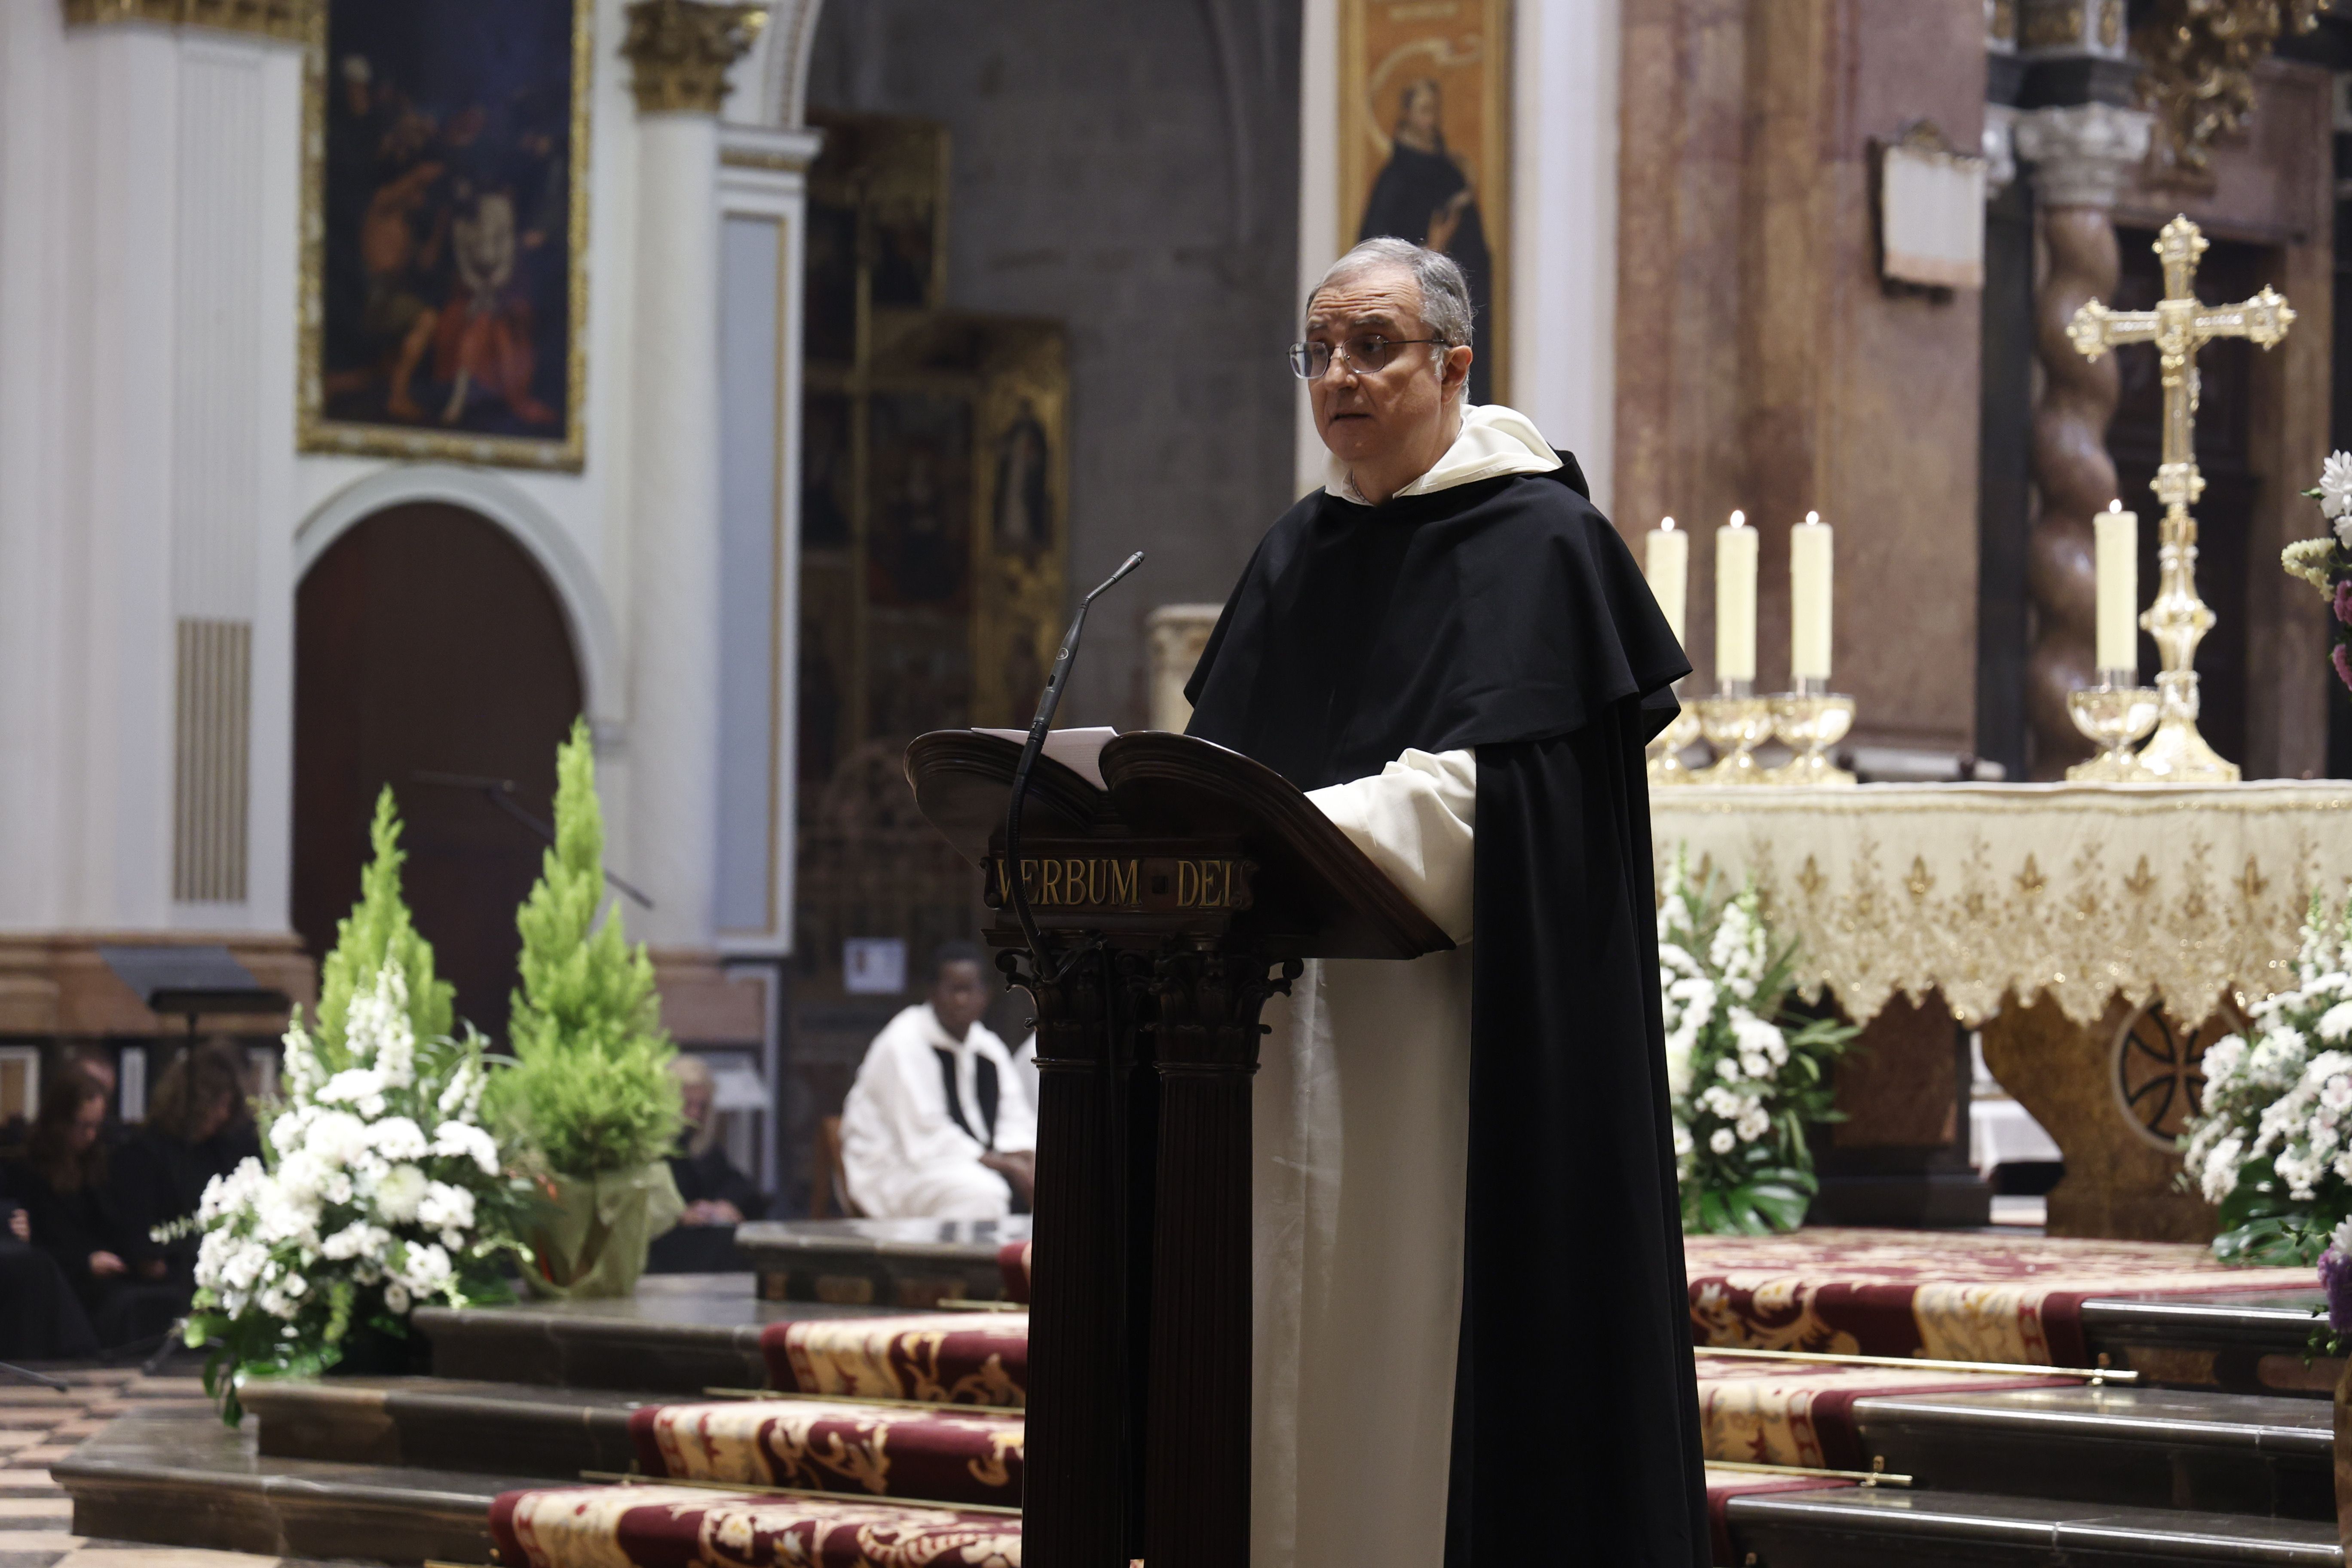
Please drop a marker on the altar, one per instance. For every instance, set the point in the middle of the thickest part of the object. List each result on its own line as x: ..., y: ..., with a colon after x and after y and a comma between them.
x: 2099, y: 937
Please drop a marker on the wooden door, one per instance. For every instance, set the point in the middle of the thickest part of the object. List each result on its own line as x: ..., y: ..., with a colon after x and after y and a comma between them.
x: 427, y: 641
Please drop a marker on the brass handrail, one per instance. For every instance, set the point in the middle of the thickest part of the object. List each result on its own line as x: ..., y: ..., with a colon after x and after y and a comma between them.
x: 2101, y: 1374
x: 938, y: 1404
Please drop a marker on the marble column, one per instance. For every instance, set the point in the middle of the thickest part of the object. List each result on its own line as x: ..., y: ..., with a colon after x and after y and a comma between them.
x: 680, y: 51
x: 2082, y: 155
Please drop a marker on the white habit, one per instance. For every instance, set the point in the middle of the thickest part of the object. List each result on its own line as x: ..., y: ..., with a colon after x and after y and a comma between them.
x: 1362, y: 1146
x: 902, y: 1152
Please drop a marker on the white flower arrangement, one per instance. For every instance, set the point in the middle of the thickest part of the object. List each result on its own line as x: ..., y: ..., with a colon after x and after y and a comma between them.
x: 2334, y: 495
x: 361, y: 1213
x: 2271, y: 1143
x: 1743, y: 1088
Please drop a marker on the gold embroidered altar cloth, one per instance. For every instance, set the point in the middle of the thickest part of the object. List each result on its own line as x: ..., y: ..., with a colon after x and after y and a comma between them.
x: 2081, y: 891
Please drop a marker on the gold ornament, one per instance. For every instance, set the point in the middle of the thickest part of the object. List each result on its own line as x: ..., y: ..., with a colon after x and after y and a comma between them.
x: 287, y: 19
x: 681, y: 51
x: 2200, y: 55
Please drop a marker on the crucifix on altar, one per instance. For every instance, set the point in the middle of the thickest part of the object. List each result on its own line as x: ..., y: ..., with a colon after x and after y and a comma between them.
x: 2179, y: 326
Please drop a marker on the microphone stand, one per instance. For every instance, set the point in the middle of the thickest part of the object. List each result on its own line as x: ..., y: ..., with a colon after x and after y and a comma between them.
x: 1048, y: 974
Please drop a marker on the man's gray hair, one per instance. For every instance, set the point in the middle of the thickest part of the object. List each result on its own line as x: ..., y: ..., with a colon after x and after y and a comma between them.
x: 1444, y: 292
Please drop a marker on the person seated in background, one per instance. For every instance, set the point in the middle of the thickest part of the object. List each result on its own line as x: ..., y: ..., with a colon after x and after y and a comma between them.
x: 715, y: 1193
x: 97, y: 1063
x: 1025, y: 1068
x: 41, y: 1319
x: 63, y: 1183
x: 198, y: 1127
x: 938, y: 1125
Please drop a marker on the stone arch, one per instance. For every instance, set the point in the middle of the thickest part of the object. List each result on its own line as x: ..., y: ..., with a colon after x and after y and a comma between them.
x: 588, y: 616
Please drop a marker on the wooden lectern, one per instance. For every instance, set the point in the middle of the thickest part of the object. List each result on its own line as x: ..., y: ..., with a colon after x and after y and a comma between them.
x: 1192, y: 886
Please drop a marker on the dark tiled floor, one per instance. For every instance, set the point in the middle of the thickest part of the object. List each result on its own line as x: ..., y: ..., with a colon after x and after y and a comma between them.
x: 38, y: 1426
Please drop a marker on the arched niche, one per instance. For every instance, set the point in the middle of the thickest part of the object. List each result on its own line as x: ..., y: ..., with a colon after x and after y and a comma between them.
x: 430, y: 648
x: 587, y: 617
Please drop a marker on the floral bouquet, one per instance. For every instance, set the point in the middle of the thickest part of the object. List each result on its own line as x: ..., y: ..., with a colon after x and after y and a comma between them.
x: 1745, y: 1076
x: 383, y: 1189
x: 2271, y: 1141
x: 2325, y: 563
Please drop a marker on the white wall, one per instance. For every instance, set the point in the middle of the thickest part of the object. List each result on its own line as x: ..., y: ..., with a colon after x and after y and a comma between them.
x: 145, y: 411
x: 151, y: 187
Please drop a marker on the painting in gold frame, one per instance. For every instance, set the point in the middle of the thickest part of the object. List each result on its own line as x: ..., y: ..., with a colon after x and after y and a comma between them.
x: 1426, y: 145
x: 445, y: 231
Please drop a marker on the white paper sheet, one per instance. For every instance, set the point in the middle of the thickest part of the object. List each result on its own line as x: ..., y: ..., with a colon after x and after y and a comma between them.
x: 1080, y: 751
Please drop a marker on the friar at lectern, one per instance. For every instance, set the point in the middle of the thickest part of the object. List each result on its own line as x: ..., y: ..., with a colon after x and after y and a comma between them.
x: 1322, y: 1183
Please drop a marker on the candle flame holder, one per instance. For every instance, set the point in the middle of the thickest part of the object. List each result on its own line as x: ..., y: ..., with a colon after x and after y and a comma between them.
x: 1735, y: 725
x: 1809, y: 723
x: 1665, y: 751
x: 2116, y: 715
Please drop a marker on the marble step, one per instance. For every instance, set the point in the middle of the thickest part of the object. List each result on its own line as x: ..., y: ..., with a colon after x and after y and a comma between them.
x: 2257, y: 1455
x: 179, y: 1477
x: 899, y: 1263
x: 503, y: 1429
x: 679, y: 1334
x: 2244, y: 1343
x: 949, y: 1453
x: 1859, y: 1527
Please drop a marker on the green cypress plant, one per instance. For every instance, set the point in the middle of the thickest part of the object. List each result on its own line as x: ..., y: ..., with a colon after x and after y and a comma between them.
x: 590, y: 1090
x: 378, y: 931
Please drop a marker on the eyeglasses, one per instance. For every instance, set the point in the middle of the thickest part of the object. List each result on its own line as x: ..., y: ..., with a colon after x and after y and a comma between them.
x: 1369, y: 355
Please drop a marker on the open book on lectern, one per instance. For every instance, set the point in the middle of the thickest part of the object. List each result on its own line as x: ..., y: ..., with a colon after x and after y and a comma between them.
x: 1181, y: 835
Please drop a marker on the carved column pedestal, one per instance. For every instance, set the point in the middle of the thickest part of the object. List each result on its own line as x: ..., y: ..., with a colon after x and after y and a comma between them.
x: 2082, y: 155
x: 1078, y: 1487
x: 1197, y: 1500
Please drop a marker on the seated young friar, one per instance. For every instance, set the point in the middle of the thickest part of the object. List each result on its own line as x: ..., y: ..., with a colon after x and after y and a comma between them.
x: 938, y: 1125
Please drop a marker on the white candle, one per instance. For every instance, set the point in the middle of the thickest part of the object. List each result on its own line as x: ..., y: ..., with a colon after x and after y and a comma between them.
x: 1809, y: 599
x: 1735, y: 600
x: 2118, y: 564
x: 1667, y: 564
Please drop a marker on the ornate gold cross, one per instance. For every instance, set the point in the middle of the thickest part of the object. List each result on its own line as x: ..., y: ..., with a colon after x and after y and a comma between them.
x: 2178, y: 619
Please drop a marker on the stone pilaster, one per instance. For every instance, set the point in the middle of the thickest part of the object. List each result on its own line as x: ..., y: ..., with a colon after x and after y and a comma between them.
x: 2082, y: 155
x: 680, y: 51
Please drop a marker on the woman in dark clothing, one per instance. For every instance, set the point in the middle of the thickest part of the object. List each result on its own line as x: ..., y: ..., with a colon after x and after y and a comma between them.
x: 41, y: 1319
x: 62, y: 1183
x: 196, y: 1128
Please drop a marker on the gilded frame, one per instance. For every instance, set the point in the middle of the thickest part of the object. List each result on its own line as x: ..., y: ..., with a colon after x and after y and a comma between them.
x: 1462, y: 44
x: 314, y: 432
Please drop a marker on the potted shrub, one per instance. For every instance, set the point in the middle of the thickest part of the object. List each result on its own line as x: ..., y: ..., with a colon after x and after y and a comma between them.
x: 590, y: 1092
x: 380, y: 1190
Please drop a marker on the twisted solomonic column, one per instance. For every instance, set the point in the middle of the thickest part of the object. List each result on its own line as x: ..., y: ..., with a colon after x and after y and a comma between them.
x: 2082, y: 155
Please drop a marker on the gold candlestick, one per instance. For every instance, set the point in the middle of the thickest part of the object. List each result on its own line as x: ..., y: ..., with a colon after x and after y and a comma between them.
x: 2117, y: 714
x: 2179, y: 326
x: 1665, y: 750
x: 1735, y: 724
x: 1809, y: 723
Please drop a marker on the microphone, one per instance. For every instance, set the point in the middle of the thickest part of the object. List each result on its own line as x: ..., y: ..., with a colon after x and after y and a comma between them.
x: 1047, y: 974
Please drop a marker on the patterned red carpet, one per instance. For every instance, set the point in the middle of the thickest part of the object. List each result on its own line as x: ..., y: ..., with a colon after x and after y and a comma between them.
x: 674, y: 1527
x: 1953, y: 1296
x: 953, y: 1358
x: 907, y: 1478
x: 875, y: 1450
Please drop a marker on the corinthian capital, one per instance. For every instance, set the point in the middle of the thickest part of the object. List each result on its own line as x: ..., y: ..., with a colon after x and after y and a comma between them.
x: 287, y: 19
x: 680, y: 51
x: 2083, y: 154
